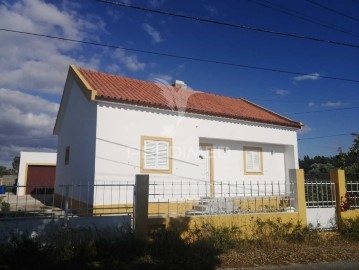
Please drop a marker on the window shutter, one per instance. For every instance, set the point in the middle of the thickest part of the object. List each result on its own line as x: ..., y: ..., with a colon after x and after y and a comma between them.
x: 249, y: 161
x: 150, y: 154
x: 162, y: 155
x: 256, y: 161
x: 253, y: 161
x: 156, y: 155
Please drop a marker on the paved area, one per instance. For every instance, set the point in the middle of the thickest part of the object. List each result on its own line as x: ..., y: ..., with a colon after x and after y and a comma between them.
x: 340, y: 265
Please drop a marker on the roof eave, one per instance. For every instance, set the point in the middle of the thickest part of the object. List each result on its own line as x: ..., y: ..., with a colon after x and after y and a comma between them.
x: 292, y: 124
x: 85, y: 87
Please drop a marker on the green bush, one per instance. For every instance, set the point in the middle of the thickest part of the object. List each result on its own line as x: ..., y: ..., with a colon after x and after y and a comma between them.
x: 219, y: 238
x: 5, y: 207
x: 349, y: 228
x: 274, y: 231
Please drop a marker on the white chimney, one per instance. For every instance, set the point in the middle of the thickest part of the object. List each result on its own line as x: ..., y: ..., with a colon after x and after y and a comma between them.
x: 179, y: 84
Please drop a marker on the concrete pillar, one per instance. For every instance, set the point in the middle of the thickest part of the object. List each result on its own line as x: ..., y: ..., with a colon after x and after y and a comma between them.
x: 338, y: 178
x: 297, y: 175
x: 141, y: 207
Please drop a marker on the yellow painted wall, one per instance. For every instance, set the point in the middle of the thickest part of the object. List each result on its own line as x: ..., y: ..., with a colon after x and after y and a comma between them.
x: 350, y: 214
x: 245, y: 222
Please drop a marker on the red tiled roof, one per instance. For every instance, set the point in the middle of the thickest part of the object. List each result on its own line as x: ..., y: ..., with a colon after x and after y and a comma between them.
x: 126, y: 90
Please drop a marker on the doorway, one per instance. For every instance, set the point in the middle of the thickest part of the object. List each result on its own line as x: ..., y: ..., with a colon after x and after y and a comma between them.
x: 206, y: 167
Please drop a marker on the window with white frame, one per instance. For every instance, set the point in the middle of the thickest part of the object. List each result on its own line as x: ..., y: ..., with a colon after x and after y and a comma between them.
x: 253, y: 162
x: 156, y: 154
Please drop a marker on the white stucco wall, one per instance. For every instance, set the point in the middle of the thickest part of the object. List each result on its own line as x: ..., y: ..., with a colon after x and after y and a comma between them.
x: 120, y: 127
x: 32, y: 158
x: 78, y: 131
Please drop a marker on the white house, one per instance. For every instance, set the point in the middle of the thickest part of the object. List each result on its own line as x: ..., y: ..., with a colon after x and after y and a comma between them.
x: 111, y: 128
x: 36, y: 171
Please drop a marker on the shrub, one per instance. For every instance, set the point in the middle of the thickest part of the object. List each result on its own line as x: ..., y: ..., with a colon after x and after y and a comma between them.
x: 349, y: 228
x: 5, y: 207
x: 347, y: 202
x: 217, y: 237
x: 275, y: 231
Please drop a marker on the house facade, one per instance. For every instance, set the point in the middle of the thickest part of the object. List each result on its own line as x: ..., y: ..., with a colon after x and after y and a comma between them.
x: 111, y: 128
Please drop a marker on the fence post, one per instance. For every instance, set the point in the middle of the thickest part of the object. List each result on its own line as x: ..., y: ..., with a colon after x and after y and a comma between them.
x: 337, y: 177
x: 141, y: 207
x: 299, y: 192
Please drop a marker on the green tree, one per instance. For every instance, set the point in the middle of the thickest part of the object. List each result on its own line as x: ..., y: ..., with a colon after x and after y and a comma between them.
x: 305, y: 163
x: 319, y: 168
x: 15, y: 164
x: 317, y: 164
x: 4, y: 170
x: 351, y: 164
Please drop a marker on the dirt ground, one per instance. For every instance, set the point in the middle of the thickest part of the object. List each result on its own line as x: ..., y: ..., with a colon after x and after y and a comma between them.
x: 332, y: 248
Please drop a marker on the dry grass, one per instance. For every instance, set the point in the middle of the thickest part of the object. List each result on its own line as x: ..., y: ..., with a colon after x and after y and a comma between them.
x: 332, y: 247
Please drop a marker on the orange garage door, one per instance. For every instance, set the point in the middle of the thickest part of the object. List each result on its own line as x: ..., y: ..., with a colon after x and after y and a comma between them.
x: 40, y: 179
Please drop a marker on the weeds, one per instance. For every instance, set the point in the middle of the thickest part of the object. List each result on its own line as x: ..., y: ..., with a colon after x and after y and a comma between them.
x: 349, y: 228
x: 5, y: 207
x: 219, y: 238
x: 276, y: 231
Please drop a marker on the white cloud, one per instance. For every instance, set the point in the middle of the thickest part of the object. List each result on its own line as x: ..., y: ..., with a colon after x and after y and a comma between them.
x: 155, y: 34
x: 35, y: 124
x: 130, y: 61
x: 113, y: 68
x: 36, y: 63
x: 281, y: 92
x: 166, y: 77
x: 313, y: 76
x: 26, y: 122
x: 27, y: 103
x: 33, y: 64
x: 31, y: 114
x: 14, y: 150
x: 311, y: 104
x: 305, y: 130
x: 331, y: 104
x: 211, y: 9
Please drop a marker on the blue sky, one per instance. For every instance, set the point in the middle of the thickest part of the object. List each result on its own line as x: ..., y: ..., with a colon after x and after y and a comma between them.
x: 33, y: 70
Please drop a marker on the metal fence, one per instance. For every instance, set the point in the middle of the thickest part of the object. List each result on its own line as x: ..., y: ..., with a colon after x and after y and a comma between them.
x: 352, y: 185
x: 166, y: 198
x: 319, y: 193
x: 64, y: 201
x: 189, y: 198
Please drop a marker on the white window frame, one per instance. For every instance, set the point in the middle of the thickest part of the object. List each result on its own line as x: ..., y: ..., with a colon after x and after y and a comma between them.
x: 254, y: 156
x: 155, y: 154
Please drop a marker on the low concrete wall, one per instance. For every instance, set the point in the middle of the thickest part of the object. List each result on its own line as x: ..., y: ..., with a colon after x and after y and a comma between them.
x: 324, y: 218
x: 28, y: 227
x: 243, y: 221
x: 350, y: 214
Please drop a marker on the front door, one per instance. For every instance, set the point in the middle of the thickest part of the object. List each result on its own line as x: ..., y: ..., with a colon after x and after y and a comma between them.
x: 206, y: 167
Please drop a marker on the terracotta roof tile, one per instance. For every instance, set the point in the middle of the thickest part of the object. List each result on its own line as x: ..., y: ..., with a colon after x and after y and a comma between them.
x: 127, y: 90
